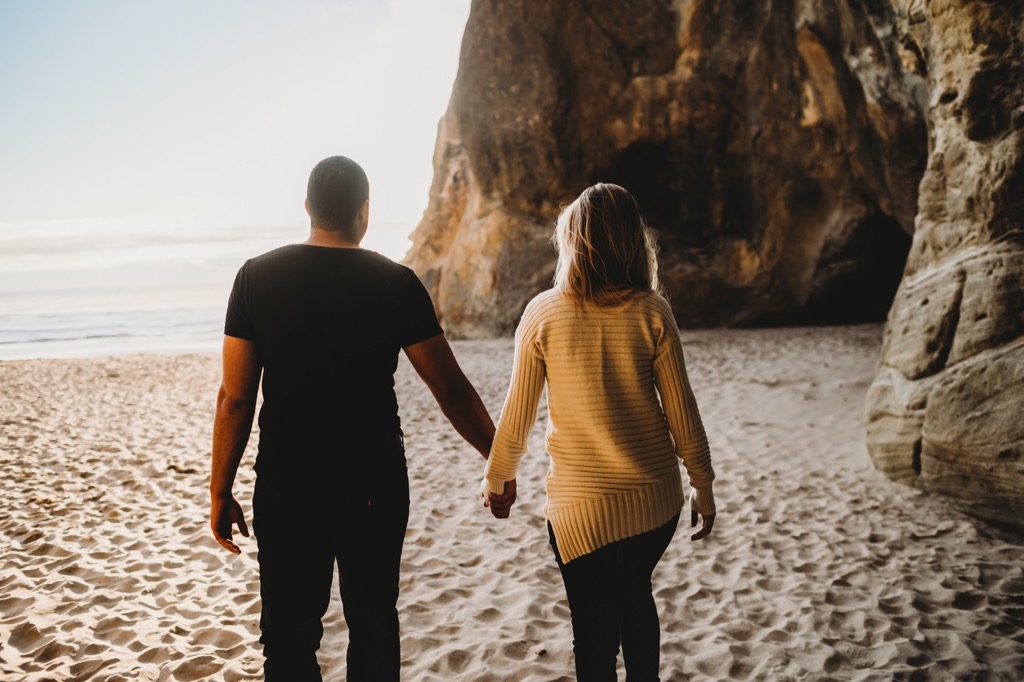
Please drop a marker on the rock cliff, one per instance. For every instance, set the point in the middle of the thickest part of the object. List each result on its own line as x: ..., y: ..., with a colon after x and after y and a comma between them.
x: 776, y: 149
x: 799, y: 161
x: 946, y: 410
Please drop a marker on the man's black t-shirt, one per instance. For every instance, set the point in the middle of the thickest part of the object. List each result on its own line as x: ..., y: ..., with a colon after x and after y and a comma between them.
x: 328, y: 324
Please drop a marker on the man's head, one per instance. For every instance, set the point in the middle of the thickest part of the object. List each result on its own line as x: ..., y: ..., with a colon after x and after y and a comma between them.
x: 337, y: 196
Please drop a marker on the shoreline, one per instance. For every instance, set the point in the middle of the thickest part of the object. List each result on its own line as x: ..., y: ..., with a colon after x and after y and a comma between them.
x: 818, y: 567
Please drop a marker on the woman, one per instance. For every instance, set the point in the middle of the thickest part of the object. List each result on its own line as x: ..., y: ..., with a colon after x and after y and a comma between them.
x: 605, y: 342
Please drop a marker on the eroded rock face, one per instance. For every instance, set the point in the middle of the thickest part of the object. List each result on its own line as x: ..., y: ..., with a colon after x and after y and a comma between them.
x: 946, y: 411
x: 776, y: 148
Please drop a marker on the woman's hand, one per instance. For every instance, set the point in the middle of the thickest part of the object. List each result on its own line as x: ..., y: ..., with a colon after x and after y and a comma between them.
x: 707, y: 522
x: 501, y: 505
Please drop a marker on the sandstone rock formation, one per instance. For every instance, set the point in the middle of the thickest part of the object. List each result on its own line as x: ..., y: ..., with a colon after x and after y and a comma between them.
x: 946, y: 410
x: 776, y: 148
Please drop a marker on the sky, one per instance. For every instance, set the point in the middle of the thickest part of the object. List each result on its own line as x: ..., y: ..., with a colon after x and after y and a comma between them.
x: 215, y: 111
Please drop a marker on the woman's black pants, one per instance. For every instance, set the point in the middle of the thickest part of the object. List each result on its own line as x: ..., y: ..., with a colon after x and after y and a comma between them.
x: 302, y: 535
x: 611, y: 602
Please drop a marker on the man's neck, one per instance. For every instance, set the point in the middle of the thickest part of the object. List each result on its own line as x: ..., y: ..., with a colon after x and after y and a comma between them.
x: 330, y: 239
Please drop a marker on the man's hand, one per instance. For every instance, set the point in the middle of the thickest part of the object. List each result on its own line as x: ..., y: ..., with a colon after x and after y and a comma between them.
x: 707, y: 522
x: 225, y: 512
x: 501, y: 505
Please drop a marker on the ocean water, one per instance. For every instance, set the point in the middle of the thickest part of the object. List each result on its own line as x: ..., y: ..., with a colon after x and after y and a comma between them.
x: 90, y: 288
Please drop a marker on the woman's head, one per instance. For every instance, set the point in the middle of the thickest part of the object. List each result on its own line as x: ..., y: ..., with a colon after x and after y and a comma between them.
x: 605, y: 251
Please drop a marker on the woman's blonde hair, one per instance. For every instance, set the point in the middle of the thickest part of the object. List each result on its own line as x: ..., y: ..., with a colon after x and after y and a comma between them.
x: 605, y: 250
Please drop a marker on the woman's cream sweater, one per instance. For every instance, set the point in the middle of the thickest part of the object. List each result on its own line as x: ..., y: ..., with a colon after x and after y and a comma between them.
x: 614, y: 446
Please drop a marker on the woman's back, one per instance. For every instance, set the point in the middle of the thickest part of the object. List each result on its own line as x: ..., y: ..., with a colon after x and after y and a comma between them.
x: 606, y: 428
x: 613, y: 442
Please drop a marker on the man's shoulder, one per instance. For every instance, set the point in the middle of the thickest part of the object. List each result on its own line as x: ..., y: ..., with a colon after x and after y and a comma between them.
x: 301, y: 253
x: 348, y: 269
x: 382, y: 261
x: 278, y: 254
x: 379, y: 269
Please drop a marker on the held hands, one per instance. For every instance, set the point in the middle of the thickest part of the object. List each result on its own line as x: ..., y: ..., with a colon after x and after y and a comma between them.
x: 500, y: 505
x: 224, y: 512
x: 705, y: 525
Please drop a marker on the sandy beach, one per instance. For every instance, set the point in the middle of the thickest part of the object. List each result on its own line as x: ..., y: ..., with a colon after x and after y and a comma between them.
x: 818, y: 568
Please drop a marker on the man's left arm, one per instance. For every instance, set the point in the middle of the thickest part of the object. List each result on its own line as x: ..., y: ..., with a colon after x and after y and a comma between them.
x: 236, y: 407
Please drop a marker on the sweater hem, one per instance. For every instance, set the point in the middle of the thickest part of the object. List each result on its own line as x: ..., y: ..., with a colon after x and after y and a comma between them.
x: 582, y: 527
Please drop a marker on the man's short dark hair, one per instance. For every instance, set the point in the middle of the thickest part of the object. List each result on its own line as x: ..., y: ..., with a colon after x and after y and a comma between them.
x: 337, y: 188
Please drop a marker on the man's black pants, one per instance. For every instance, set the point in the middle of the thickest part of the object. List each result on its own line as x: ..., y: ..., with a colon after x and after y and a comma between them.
x: 358, y: 523
x: 611, y: 601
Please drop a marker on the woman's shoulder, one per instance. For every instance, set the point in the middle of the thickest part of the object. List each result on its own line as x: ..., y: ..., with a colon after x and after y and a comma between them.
x: 546, y: 306
x: 653, y: 302
x: 549, y: 299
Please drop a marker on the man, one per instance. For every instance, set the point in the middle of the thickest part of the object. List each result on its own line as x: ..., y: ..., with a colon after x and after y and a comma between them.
x: 322, y: 322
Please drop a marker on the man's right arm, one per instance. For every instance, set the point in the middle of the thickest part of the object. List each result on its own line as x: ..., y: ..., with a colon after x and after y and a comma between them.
x: 236, y: 407
x: 434, y: 361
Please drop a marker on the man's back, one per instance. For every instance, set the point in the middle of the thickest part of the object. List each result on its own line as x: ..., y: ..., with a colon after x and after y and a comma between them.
x: 328, y: 324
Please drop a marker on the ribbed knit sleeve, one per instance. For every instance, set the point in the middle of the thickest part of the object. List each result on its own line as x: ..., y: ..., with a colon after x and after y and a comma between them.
x: 520, y: 410
x: 682, y: 415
